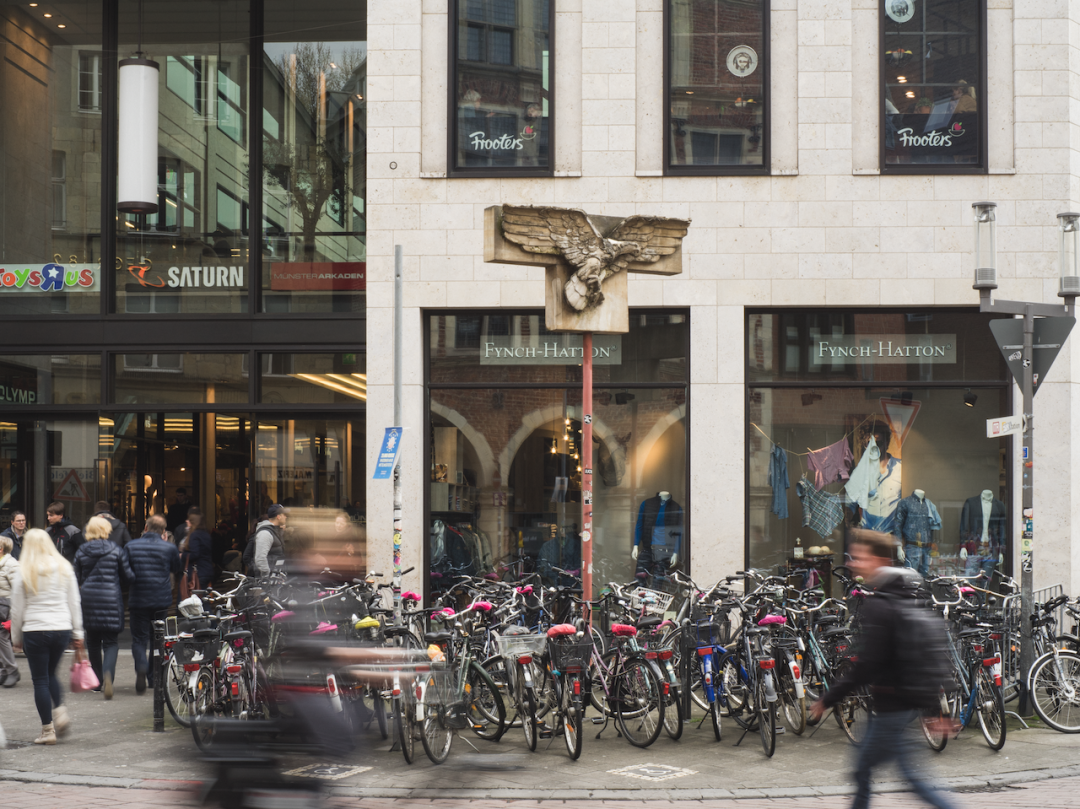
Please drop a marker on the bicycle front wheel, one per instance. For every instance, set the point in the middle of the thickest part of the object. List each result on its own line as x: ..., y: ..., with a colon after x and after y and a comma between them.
x: 178, y: 693
x: 571, y: 710
x: 203, y: 714
x: 404, y: 720
x: 673, y: 713
x: 484, y: 704
x: 991, y: 707
x: 436, y: 736
x: 794, y: 706
x: 639, y: 703
x: 766, y: 715
x: 1055, y: 690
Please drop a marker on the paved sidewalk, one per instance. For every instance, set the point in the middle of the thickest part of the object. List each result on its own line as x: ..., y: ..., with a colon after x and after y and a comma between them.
x: 112, y: 745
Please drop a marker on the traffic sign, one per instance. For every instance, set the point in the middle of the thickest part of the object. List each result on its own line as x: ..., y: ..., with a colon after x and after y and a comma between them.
x: 72, y: 488
x: 388, y: 453
x: 1048, y: 337
x: 1010, y: 425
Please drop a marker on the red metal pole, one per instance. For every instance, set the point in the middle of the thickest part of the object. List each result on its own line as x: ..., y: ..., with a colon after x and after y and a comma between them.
x: 586, y: 466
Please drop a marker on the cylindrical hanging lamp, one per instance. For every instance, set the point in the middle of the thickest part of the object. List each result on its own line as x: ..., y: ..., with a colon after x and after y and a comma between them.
x: 137, y: 182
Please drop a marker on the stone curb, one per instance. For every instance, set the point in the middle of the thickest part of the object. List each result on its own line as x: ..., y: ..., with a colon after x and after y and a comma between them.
x: 630, y: 793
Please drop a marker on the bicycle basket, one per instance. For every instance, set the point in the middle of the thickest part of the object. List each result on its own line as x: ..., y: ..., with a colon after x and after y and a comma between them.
x: 196, y: 650
x: 570, y: 653
x: 713, y: 631
x: 511, y: 647
x: 654, y: 601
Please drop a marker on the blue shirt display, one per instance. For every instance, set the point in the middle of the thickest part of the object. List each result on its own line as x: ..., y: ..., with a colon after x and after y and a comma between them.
x: 779, y: 480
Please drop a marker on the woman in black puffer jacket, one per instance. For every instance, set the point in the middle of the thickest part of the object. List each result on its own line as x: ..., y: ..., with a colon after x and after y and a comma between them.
x: 99, y: 569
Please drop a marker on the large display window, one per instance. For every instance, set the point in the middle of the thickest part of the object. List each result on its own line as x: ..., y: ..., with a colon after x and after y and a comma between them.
x: 504, y: 487
x: 876, y: 420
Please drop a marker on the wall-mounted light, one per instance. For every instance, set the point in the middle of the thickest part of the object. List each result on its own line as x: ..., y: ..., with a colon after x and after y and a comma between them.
x: 1069, y: 245
x: 136, y: 187
x: 985, y: 220
x: 970, y: 398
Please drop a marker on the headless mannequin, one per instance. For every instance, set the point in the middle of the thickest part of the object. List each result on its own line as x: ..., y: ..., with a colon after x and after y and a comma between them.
x: 921, y: 494
x: 665, y: 496
x: 987, y: 498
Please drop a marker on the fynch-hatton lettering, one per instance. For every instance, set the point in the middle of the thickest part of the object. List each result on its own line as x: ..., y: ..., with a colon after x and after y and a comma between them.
x: 882, y: 349
x: 549, y: 350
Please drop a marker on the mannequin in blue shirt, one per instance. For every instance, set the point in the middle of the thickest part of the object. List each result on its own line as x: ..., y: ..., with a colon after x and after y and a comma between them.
x: 658, y: 533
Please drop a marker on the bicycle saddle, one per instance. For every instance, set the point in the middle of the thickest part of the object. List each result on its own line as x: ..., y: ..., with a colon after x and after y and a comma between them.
x: 517, y: 630
x: 482, y: 606
x: 649, y: 622
x: 323, y: 628
x: 396, y: 631
x: 240, y: 634
x: 827, y: 619
x: 623, y: 630
x: 409, y: 595
x: 437, y: 637
x: 832, y: 633
x: 562, y: 630
x: 526, y: 590
x: 772, y: 619
x: 284, y: 615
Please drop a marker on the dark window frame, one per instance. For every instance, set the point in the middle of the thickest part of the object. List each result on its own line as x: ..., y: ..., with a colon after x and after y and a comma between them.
x: 981, y: 110
x: 452, y: 170
x: 764, y: 61
x: 429, y: 386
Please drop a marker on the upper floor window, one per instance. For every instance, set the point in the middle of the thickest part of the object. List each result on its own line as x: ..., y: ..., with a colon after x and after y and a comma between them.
x: 90, y: 82
x: 716, y: 83
x: 934, y: 68
x: 503, y: 103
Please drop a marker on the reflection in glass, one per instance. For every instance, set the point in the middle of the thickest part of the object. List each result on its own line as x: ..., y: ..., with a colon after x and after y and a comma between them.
x: 172, y: 378
x: 192, y: 255
x: 62, y: 379
x: 716, y: 82
x: 313, y: 378
x: 50, y: 221
x: 503, y: 100
x: 314, y: 146
x: 933, y: 82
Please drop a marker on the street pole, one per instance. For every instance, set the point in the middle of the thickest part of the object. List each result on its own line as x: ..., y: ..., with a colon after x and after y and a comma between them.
x: 398, y: 285
x: 1027, y: 576
x: 586, y: 466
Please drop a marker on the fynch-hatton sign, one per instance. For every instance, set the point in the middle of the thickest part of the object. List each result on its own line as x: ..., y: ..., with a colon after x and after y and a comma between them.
x: 548, y: 349
x: 885, y: 349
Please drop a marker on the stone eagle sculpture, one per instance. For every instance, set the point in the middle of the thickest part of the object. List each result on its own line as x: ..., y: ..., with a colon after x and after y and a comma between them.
x: 570, y: 232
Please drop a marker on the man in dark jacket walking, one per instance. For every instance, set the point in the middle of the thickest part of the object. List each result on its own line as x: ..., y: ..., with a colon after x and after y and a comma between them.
x: 881, y: 665
x: 152, y: 560
x: 15, y: 532
x: 269, y: 548
x: 65, y: 534
x: 119, y: 535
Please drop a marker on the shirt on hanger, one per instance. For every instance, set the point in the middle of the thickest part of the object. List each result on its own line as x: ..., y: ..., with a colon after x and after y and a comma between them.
x: 779, y: 480
x: 831, y: 463
x: 821, y: 510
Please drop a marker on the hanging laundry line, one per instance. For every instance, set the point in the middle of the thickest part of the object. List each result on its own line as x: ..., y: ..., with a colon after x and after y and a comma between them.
x: 810, y: 451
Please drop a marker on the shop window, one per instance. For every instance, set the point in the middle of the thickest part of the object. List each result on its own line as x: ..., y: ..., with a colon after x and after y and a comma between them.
x: 172, y: 363
x: 834, y: 455
x: 503, y: 99
x: 314, y: 139
x: 68, y: 379
x: 313, y: 378
x: 504, y: 489
x: 933, y: 77
x: 716, y: 88
x: 90, y: 82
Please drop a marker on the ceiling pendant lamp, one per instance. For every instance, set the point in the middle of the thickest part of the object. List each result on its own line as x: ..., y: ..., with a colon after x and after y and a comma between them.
x: 137, y: 180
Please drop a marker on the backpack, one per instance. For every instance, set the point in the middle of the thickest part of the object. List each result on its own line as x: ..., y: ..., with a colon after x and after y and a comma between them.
x: 922, y: 647
x: 249, y: 555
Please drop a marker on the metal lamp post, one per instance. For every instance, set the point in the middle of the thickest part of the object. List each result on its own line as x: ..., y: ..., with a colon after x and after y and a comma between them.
x: 1029, y: 346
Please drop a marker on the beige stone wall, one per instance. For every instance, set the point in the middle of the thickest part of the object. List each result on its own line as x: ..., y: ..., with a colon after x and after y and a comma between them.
x: 826, y: 229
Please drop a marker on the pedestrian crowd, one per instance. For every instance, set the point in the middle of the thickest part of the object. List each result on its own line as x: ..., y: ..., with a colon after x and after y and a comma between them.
x: 64, y: 588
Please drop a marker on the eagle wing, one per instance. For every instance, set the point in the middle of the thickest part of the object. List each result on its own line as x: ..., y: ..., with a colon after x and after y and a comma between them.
x: 554, y: 231
x: 657, y: 236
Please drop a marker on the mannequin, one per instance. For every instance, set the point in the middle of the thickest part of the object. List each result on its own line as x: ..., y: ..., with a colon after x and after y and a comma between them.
x: 982, y: 533
x: 658, y: 533
x: 914, y: 522
x: 874, y: 485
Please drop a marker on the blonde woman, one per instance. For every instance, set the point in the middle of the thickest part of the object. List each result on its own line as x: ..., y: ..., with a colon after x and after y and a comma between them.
x: 46, y: 616
x: 100, y: 566
x: 9, y: 671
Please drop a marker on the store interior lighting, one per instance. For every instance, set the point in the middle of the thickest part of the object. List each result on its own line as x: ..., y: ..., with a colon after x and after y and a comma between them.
x: 354, y: 385
x: 970, y: 398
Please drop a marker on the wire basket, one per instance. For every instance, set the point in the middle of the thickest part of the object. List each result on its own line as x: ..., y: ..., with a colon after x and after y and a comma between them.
x: 654, y: 601
x: 198, y: 649
x: 570, y: 653
x: 511, y: 647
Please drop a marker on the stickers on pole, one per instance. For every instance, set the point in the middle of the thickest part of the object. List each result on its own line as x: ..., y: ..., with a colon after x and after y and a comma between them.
x: 388, y: 454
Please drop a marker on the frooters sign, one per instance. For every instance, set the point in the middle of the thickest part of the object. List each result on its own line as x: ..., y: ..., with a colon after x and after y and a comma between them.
x: 885, y: 349
x: 550, y: 349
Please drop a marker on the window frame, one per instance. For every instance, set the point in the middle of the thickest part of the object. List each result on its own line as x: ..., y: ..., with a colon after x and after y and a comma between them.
x: 452, y: 170
x: 764, y: 62
x: 936, y: 168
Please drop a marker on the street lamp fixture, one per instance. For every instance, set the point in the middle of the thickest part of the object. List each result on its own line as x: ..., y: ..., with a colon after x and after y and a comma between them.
x: 985, y: 245
x: 1069, y: 229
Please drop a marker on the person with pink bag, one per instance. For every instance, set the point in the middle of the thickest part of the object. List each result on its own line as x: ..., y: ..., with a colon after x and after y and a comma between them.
x: 46, y: 616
